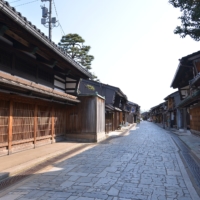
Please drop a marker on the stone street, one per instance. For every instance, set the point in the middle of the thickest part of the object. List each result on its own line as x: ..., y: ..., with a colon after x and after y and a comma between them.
x: 144, y: 164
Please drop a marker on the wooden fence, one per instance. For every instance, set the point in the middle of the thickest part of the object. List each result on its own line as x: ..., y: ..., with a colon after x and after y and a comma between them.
x: 27, y: 123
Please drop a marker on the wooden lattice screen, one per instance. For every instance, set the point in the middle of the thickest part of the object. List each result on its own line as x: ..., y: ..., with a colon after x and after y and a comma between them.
x: 4, y: 111
x: 195, y: 119
x: 23, y: 121
x: 60, y: 122
x: 5, y: 59
x: 44, y: 121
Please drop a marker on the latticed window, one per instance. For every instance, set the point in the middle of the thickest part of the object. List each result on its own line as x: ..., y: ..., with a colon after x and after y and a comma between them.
x: 44, y: 121
x: 5, y: 59
x: 45, y: 76
x: 25, y: 67
x: 23, y: 121
x: 60, y: 122
x: 4, y: 112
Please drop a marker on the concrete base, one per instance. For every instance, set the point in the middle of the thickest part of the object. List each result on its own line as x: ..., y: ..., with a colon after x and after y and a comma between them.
x: 195, y: 132
x: 10, y: 152
x: 83, y: 137
x: 101, y: 136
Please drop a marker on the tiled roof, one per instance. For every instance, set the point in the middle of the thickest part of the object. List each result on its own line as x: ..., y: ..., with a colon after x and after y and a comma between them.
x: 25, y: 84
x: 190, y: 56
x: 22, y: 21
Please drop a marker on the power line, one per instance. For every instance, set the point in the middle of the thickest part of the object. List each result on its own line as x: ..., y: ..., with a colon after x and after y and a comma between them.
x: 26, y: 3
x: 62, y: 32
x: 14, y: 1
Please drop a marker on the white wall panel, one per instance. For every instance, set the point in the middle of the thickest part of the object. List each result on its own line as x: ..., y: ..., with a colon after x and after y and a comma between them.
x: 59, y: 84
x: 70, y: 85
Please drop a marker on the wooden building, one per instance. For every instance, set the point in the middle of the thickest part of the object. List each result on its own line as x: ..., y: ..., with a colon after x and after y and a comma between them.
x: 157, y: 113
x: 145, y: 115
x: 38, y: 86
x: 187, y: 80
x: 87, y: 119
x: 116, y: 112
x: 173, y: 113
x: 133, y: 112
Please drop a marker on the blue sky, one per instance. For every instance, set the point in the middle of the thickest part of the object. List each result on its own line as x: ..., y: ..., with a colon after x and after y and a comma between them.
x: 132, y: 41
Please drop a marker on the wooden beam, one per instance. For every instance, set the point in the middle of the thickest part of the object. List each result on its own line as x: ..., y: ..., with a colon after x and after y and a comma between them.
x: 45, y: 56
x: 49, y: 63
x: 35, y: 124
x: 3, y: 29
x: 10, y: 121
x: 32, y: 49
x: 17, y: 38
x: 190, y: 66
x: 53, y: 124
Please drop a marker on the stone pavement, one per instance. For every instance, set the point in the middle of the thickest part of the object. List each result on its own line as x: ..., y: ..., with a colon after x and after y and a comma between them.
x: 143, y: 164
x: 18, y: 162
x: 192, y: 141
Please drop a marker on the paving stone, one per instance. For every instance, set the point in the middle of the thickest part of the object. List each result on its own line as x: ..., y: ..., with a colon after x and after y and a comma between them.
x: 66, y: 184
x: 84, y: 180
x: 61, y: 195
x: 113, y: 191
x: 125, y: 195
x: 97, y: 195
x: 73, y: 178
x: 84, y: 198
x: 10, y: 196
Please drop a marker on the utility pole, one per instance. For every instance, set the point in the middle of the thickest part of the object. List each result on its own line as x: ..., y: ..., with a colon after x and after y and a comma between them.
x: 50, y: 27
x: 47, y: 19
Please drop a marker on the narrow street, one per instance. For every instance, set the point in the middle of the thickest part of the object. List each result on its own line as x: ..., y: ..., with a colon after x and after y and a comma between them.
x: 143, y: 164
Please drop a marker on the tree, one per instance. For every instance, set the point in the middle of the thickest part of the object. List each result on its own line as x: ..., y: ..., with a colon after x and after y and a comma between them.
x: 73, y: 45
x: 190, y: 18
x: 94, y: 77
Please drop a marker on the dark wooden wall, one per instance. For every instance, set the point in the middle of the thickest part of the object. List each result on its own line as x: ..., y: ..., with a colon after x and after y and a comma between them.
x: 130, y: 119
x: 18, y: 63
x: 109, y: 125
x: 82, y: 118
x: 117, y: 120
x: 86, y: 120
x: 195, y: 120
x: 100, y: 88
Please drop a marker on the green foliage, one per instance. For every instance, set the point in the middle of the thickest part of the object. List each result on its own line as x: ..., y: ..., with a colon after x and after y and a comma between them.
x: 190, y: 19
x: 94, y: 77
x: 90, y: 87
x: 73, y: 45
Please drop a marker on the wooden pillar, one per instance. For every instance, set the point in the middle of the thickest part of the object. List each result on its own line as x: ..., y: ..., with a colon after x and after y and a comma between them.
x: 163, y: 121
x: 35, y: 124
x: 96, y: 116
x: 13, y: 64
x: 10, y: 121
x: 52, y: 125
x: 185, y: 119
